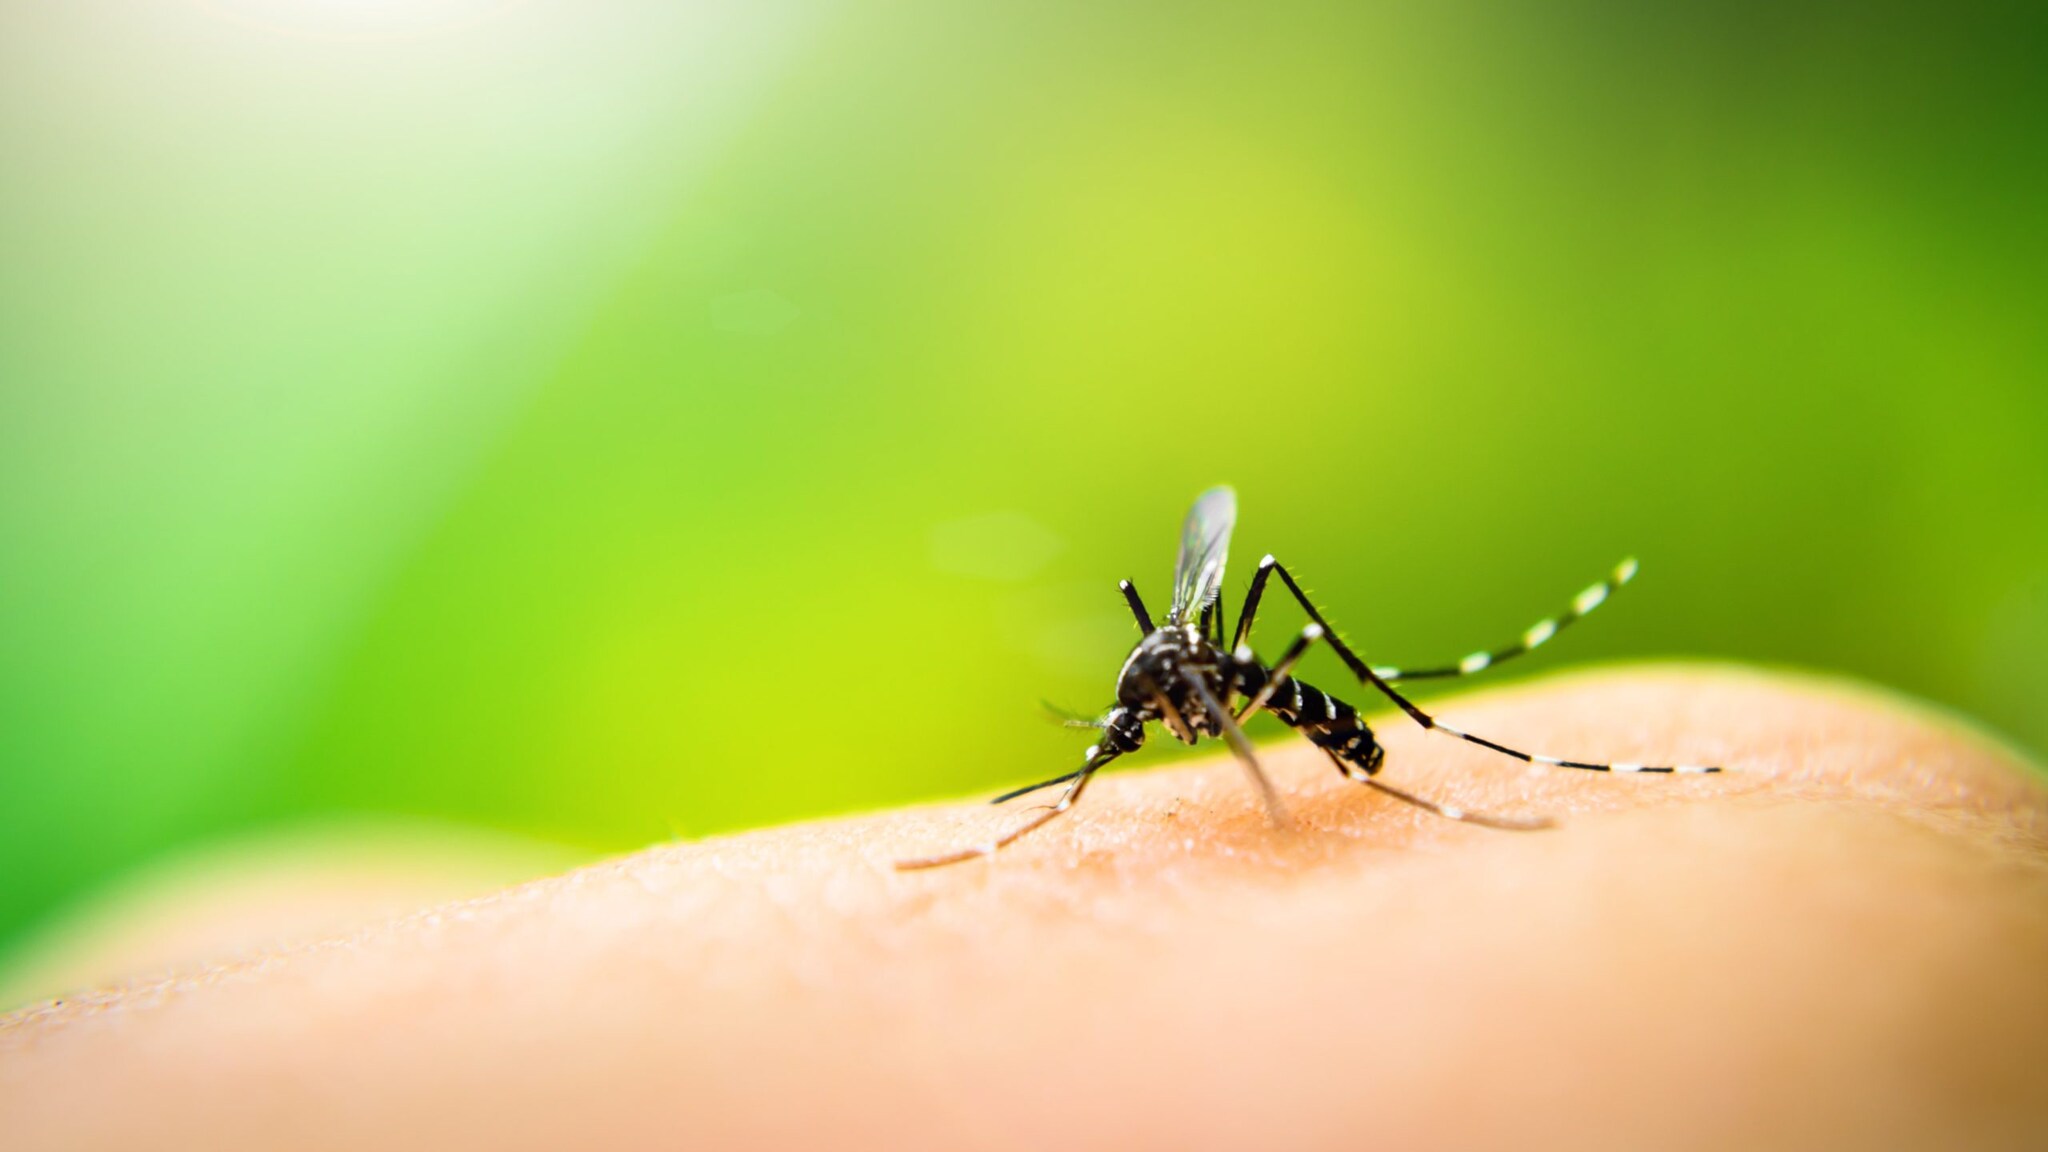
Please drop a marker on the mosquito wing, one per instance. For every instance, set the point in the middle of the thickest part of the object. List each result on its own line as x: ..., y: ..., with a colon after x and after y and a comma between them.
x: 1204, y: 545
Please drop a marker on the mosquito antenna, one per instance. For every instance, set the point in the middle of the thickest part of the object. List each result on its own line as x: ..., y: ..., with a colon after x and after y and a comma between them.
x: 1069, y: 718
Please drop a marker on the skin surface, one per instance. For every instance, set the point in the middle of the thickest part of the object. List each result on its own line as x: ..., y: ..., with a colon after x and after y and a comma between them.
x: 283, y: 885
x: 1842, y: 942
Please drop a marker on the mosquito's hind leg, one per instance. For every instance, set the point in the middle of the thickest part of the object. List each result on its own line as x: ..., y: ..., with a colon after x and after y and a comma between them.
x: 1370, y: 676
x: 1532, y: 638
x: 1336, y: 727
x: 1447, y: 811
x: 1356, y: 752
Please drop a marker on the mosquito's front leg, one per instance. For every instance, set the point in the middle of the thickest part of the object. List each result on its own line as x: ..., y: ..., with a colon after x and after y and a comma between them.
x: 1096, y: 757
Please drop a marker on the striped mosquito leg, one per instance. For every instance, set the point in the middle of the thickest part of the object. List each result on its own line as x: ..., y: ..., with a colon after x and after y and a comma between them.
x: 1535, y: 637
x: 1097, y: 757
x: 1335, y: 727
x: 1369, y: 675
x: 1447, y: 811
x: 1555, y: 762
x: 1278, y: 672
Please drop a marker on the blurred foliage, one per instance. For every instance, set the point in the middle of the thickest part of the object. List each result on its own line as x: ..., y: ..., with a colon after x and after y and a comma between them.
x: 613, y: 420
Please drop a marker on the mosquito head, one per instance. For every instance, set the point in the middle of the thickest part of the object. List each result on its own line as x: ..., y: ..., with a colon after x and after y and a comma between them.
x: 1122, y: 731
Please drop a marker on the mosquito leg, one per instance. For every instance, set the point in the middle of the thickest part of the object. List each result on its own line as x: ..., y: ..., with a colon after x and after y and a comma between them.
x: 1366, y: 674
x: 1130, y: 592
x: 1028, y: 789
x: 1251, y: 603
x: 1336, y: 728
x: 1537, y: 633
x: 1450, y: 812
x: 1447, y: 811
x: 1097, y: 757
x: 1171, y: 717
x: 1276, y: 812
x: 1278, y: 672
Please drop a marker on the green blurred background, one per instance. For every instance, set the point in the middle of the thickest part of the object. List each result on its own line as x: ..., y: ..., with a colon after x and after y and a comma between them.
x: 607, y: 420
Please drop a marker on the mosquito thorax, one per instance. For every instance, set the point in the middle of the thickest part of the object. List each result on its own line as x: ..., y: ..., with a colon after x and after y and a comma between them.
x: 1162, y: 666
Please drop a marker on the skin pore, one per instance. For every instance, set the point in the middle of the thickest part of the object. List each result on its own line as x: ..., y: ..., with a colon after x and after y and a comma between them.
x: 1841, y: 942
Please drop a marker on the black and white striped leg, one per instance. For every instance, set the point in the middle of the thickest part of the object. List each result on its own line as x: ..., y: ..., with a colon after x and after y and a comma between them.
x: 1278, y: 672
x: 1337, y: 729
x: 1365, y: 673
x: 1241, y: 745
x: 1097, y: 757
x: 1130, y: 592
x: 1447, y: 811
x: 1534, y: 637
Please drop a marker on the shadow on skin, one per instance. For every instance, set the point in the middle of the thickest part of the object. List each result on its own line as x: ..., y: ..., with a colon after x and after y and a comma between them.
x: 1837, y: 943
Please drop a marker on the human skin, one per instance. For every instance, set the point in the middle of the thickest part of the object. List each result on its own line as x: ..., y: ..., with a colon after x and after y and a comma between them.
x: 1841, y: 942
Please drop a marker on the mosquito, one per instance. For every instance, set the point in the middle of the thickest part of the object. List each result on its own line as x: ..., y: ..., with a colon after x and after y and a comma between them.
x: 1184, y: 677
